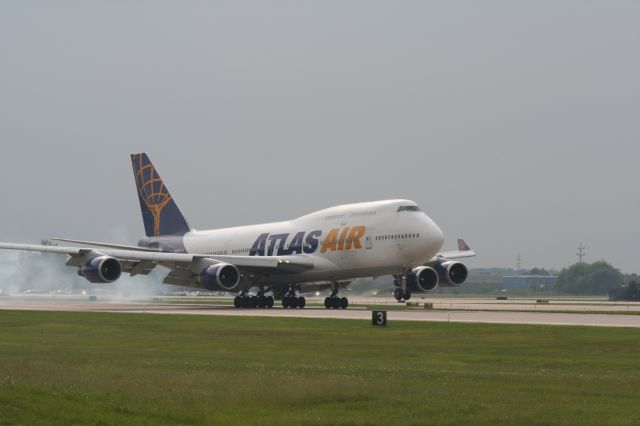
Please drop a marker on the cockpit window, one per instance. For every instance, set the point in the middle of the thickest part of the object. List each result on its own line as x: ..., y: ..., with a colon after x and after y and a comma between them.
x: 409, y: 209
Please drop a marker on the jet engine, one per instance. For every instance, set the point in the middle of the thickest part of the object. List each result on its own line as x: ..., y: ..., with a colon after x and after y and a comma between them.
x: 101, y: 270
x: 221, y: 277
x: 451, y: 273
x: 422, y: 278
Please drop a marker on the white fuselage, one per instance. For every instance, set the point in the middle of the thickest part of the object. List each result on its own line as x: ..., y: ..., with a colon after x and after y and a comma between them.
x: 343, y: 242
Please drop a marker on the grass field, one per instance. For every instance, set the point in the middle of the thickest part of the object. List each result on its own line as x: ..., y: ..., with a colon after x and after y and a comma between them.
x: 113, y: 369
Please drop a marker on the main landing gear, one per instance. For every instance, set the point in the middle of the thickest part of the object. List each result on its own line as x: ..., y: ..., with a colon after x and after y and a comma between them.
x: 335, y: 302
x: 291, y: 300
x: 401, y: 292
x: 258, y: 301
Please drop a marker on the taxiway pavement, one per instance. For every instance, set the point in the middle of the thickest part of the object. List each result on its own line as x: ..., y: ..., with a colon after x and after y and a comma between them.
x: 479, y: 316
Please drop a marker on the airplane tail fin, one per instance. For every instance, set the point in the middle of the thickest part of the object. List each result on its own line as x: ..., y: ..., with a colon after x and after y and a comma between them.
x: 160, y: 213
x: 462, y: 245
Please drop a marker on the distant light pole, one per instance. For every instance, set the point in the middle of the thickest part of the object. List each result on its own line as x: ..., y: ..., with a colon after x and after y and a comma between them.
x: 518, y: 263
x: 580, y: 253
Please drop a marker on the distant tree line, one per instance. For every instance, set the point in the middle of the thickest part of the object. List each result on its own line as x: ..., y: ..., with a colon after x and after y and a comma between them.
x: 629, y: 292
x: 538, y: 271
x: 589, y: 278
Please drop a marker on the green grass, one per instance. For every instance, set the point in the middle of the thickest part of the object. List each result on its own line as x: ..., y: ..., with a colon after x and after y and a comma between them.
x: 112, y: 369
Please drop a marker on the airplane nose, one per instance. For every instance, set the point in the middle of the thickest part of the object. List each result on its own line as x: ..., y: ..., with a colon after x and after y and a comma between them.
x: 434, y: 235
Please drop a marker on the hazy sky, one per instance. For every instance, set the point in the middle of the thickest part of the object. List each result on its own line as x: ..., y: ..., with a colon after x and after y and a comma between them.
x: 513, y: 124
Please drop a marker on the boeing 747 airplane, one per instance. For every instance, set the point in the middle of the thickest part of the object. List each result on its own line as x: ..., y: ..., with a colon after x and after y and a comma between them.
x: 323, y: 250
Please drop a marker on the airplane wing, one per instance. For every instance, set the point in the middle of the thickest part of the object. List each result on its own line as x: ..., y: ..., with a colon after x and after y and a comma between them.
x: 463, y: 251
x: 104, y: 245
x: 183, y: 267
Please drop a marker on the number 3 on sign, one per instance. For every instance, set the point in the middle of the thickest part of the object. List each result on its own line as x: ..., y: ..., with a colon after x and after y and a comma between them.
x: 379, y: 317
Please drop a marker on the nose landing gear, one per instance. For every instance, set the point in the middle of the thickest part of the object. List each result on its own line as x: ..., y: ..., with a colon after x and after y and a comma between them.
x: 401, y: 292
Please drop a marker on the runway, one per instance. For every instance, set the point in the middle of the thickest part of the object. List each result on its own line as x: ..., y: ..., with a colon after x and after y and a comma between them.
x: 460, y: 316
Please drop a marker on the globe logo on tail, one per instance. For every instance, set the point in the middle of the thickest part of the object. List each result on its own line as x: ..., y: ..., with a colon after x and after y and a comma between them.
x: 151, y: 189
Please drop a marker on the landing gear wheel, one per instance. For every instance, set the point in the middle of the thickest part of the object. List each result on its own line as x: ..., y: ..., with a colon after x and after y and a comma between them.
x: 343, y: 302
x: 270, y: 301
x: 301, y: 302
x: 397, y: 293
x: 262, y: 302
x: 327, y: 302
x: 290, y: 302
x: 237, y: 301
x: 253, y: 302
x: 407, y: 295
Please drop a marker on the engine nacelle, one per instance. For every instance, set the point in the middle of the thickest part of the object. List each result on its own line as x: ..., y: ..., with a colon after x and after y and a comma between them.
x: 451, y: 273
x: 221, y: 277
x: 422, y: 278
x: 101, y: 270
